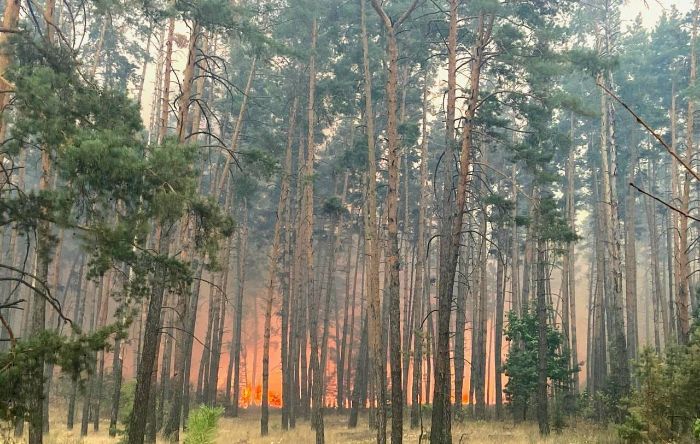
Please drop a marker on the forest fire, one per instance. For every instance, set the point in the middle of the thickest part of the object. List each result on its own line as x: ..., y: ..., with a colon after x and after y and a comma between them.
x: 253, y: 396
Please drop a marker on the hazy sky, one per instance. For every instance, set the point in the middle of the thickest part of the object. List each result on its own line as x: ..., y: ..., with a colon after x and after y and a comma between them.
x: 652, y: 9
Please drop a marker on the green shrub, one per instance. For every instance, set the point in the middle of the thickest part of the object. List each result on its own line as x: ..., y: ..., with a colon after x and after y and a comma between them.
x: 665, y: 406
x: 201, y: 425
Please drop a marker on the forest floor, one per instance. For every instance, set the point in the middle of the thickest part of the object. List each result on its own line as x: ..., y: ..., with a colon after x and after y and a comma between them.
x: 246, y: 430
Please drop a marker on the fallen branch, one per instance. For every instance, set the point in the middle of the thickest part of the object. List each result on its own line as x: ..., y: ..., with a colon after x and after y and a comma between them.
x: 677, y: 210
x: 646, y: 126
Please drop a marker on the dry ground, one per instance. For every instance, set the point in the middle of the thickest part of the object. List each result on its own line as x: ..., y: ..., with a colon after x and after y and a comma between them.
x: 246, y: 430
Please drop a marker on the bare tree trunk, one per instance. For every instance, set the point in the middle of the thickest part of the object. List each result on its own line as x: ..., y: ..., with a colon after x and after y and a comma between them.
x: 619, y: 368
x: 78, y: 317
x: 569, y: 276
x: 237, y: 128
x: 163, y: 393
x: 137, y: 422
x: 165, y: 94
x: 90, y: 382
x: 374, y: 322
x: 453, y: 217
x: 683, y: 296
x: 543, y: 348
x: 187, y: 81
x: 656, y: 290
x: 10, y: 18
x: 480, y: 315
x: 104, y: 309
x: 359, y: 394
x: 419, y: 285
x: 38, y: 315
x: 599, y: 361
x: 98, y: 50
x: 342, y: 351
x: 393, y: 253
x: 274, y: 256
x: 631, y: 260
x: 460, y: 326
x: 501, y: 270
x: 191, y: 320
x: 241, y: 264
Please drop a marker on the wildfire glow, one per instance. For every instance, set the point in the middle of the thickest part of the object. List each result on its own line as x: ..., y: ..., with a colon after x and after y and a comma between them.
x: 253, y: 396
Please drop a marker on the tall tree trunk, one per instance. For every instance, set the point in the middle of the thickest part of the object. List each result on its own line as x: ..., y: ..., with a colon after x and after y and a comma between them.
x: 480, y: 317
x: 569, y: 295
x: 38, y: 316
x: 359, y: 393
x: 147, y: 368
x: 104, y: 310
x: 78, y: 317
x: 441, y: 429
x: 272, y: 275
x: 117, y: 366
x: 619, y: 368
x: 543, y: 348
x: 631, y: 260
x: 241, y: 264
x: 599, y: 361
x: 10, y: 18
x: 98, y: 49
x: 165, y: 92
x: 374, y: 323
x: 419, y: 285
x: 233, y: 149
x: 187, y: 82
x: 460, y: 326
x: 90, y: 382
x: 516, y: 303
x: 342, y: 350
x: 501, y: 270
x: 656, y: 290
x: 683, y: 296
x: 393, y: 259
x: 191, y: 320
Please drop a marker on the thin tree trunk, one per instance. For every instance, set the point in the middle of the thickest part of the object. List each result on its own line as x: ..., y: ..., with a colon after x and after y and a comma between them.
x: 460, y: 327
x: 165, y: 94
x: 501, y: 270
x: 441, y: 429
x: 374, y: 323
x: 419, y: 286
x: 683, y: 296
x: 543, y: 348
x: 147, y: 368
x: 78, y: 317
x: 569, y: 295
x: 631, y: 260
x: 237, y: 128
x: 241, y: 264
x: 272, y: 275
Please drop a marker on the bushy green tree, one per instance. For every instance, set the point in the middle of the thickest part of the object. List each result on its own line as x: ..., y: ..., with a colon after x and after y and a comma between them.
x: 521, y: 362
x: 665, y: 406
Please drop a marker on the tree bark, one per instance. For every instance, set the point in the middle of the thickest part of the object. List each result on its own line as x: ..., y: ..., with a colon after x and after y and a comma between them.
x: 631, y: 260
x: 241, y: 263
x: 453, y: 216
x: 374, y: 322
x: 165, y: 92
x: 137, y: 422
x: 272, y: 274
x: 419, y: 285
x: 543, y: 348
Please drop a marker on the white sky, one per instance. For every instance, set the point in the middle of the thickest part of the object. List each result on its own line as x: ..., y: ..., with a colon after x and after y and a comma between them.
x: 652, y: 10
